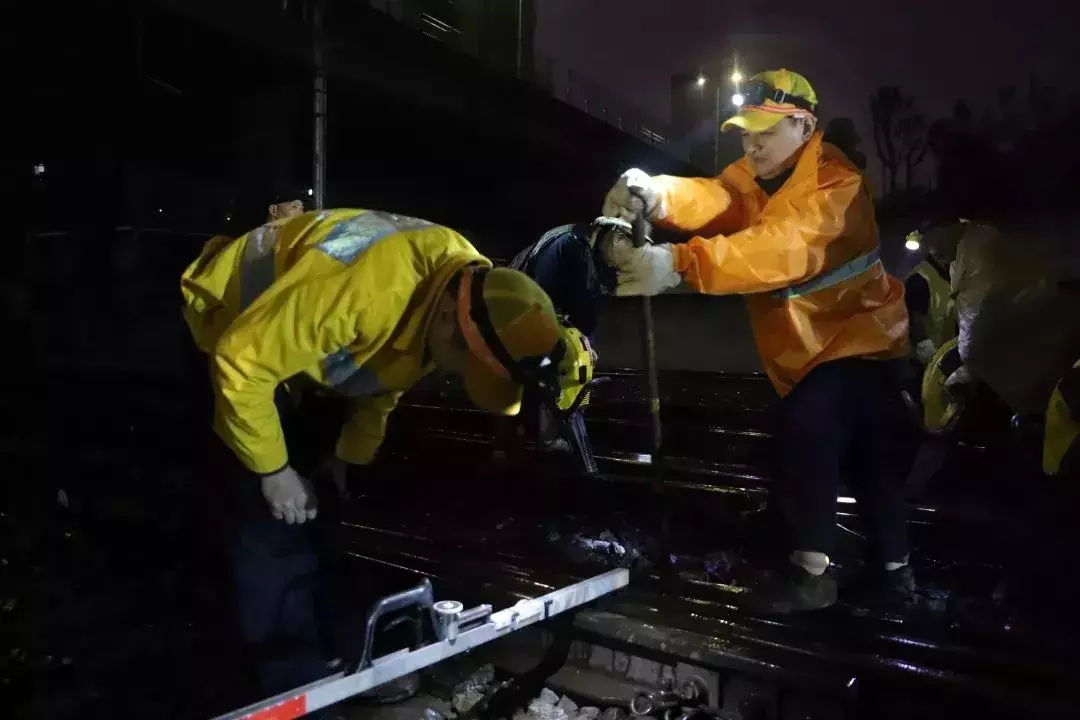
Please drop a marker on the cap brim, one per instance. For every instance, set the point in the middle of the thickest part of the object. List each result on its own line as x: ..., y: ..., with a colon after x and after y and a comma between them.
x: 752, y: 120
x: 489, y: 392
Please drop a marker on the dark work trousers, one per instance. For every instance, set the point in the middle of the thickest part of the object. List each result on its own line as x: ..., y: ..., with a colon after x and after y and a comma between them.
x: 286, y: 577
x: 845, y: 421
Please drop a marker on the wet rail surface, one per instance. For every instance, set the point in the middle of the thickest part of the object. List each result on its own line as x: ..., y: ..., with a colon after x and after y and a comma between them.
x: 108, y: 568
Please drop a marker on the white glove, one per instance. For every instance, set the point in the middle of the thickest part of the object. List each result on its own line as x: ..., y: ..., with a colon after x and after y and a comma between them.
x: 635, y: 191
x: 651, y: 271
x: 959, y: 385
x: 924, y: 351
x: 291, y: 497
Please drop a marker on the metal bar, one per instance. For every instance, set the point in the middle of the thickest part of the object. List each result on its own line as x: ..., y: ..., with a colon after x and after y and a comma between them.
x: 318, y: 179
x: 331, y: 690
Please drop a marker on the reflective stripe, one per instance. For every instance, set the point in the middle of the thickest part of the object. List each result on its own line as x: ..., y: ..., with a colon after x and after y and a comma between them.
x: 848, y: 270
x: 257, y: 266
x: 527, y: 255
x: 348, y: 378
x: 350, y: 238
x: 339, y: 367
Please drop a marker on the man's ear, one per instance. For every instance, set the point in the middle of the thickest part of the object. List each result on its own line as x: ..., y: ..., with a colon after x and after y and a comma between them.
x: 809, y: 125
x: 272, y: 212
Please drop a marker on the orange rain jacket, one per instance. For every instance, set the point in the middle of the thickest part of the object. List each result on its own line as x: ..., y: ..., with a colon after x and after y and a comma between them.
x: 806, y: 257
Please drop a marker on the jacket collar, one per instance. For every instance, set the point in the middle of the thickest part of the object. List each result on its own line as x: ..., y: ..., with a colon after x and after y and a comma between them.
x: 806, y: 167
x: 416, y: 325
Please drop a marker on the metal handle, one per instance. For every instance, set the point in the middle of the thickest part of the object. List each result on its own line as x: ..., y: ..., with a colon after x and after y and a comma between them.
x: 420, y: 596
x: 638, y: 229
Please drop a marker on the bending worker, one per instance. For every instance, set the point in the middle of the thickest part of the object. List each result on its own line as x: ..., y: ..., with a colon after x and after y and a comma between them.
x: 361, y: 304
x: 574, y: 265
x: 791, y: 226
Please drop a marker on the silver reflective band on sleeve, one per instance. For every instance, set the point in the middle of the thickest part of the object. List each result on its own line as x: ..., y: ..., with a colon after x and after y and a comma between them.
x: 523, y: 258
x: 848, y: 270
x: 257, y: 269
x: 351, y: 237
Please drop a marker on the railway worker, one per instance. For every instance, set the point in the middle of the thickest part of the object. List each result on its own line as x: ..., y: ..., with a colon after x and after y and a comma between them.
x: 791, y: 226
x: 355, y: 303
x: 574, y: 264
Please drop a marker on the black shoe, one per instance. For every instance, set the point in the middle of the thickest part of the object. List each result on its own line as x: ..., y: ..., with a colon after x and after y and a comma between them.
x: 883, y: 588
x: 789, y: 590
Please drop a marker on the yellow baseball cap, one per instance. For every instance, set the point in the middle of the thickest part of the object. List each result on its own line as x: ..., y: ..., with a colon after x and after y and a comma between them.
x: 770, y: 96
x: 512, y: 333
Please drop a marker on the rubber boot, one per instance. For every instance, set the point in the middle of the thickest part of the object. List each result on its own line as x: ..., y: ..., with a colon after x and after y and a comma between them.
x: 789, y: 589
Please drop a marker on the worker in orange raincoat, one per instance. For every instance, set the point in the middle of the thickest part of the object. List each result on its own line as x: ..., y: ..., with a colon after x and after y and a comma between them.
x: 791, y: 226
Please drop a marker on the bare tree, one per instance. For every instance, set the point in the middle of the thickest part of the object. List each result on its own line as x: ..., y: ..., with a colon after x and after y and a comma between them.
x: 900, y: 134
x: 912, y: 133
x: 887, y: 107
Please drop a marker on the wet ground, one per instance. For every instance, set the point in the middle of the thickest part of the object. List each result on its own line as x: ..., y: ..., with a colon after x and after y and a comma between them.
x: 114, y: 596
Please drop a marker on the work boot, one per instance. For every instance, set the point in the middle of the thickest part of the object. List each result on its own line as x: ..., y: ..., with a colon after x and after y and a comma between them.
x: 789, y: 589
x: 878, y: 587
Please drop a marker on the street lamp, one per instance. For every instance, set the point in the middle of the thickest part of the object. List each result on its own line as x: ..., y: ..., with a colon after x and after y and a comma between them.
x: 701, y: 81
x: 736, y: 77
x: 737, y: 99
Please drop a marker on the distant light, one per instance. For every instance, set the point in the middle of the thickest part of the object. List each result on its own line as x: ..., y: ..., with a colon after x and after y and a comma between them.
x: 228, y: 218
x: 39, y: 169
x: 160, y: 211
x: 736, y: 77
x: 310, y: 192
x: 737, y: 99
x: 912, y: 242
x: 700, y: 80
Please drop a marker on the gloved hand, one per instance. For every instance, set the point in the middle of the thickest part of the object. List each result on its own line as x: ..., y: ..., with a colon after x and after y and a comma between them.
x: 650, y: 271
x: 960, y: 384
x: 634, y: 193
x: 924, y: 351
x: 290, y: 496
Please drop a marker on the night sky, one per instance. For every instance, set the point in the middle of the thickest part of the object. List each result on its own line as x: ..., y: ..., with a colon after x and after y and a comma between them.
x: 936, y: 50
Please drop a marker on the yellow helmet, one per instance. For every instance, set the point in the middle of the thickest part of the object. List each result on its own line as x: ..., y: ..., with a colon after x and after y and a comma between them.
x: 575, y: 369
x: 770, y: 96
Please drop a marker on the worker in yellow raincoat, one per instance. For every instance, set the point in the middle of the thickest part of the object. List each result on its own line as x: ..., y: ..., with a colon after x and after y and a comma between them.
x: 928, y: 294
x: 361, y: 304
x: 791, y: 226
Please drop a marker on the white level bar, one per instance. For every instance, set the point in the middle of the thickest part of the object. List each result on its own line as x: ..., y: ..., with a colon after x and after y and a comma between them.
x: 331, y: 690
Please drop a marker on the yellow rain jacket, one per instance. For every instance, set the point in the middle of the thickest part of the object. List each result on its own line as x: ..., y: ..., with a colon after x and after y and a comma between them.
x: 1062, y: 421
x: 343, y: 297
x: 941, y: 320
x: 807, y: 258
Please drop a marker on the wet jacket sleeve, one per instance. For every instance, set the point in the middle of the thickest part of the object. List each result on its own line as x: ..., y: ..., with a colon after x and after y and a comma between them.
x: 365, y: 429
x: 312, y: 315
x: 576, y: 296
x: 783, y: 248
x: 691, y: 204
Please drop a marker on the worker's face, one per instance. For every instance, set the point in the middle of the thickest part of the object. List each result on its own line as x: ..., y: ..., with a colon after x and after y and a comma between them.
x: 279, y: 211
x: 444, y: 339
x: 942, y: 242
x: 770, y: 151
x: 616, y: 248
